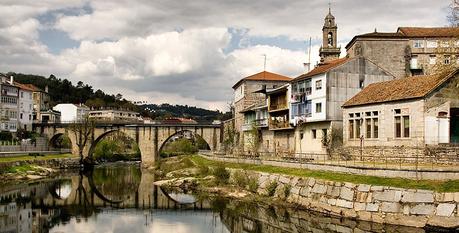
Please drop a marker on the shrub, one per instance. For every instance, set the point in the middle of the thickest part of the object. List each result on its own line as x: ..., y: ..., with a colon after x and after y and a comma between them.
x: 287, y: 189
x: 253, y: 184
x: 203, y: 170
x: 271, y: 188
x: 240, y: 179
x: 221, y: 174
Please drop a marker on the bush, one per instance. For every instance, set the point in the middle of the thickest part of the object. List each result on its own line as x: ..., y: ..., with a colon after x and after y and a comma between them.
x: 221, y: 174
x: 287, y: 189
x: 203, y: 170
x: 253, y: 184
x: 271, y: 188
x: 179, y: 147
x: 240, y: 179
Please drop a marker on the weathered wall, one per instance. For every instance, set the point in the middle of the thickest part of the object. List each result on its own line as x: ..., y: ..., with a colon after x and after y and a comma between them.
x: 379, y: 204
x: 389, y: 54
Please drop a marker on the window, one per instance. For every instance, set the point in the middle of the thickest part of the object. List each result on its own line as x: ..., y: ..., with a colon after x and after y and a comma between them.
x: 361, y: 83
x: 318, y: 84
x: 447, y: 60
x: 301, y: 135
x: 375, y: 128
x: 418, y: 44
x: 22, y: 94
x: 351, y: 128
x: 432, y: 44
x: 406, y: 126
x: 318, y: 107
x: 402, y: 124
x: 20, y: 116
x: 324, y: 133
x: 314, y: 134
x: 432, y: 59
x: 357, y: 128
x: 368, y: 127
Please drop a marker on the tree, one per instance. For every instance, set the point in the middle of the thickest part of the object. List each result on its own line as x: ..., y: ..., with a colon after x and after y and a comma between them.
x: 82, y: 131
x: 453, y: 17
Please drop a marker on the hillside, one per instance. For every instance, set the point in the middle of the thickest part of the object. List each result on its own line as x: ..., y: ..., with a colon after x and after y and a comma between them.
x: 64, y: 91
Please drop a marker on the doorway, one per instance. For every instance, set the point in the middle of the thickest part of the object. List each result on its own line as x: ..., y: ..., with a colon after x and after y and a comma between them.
x: 454, y: 125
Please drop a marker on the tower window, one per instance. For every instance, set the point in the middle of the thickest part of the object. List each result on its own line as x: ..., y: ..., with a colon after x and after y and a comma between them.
x: 330, y: 39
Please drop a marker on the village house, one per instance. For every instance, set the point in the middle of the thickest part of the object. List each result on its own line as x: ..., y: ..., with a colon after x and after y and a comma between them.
x: 114, y: 115
x: 72, y: 112
x: 409, y: 50
x: 317, y: 96
x: 250, y: 98
x: 404, y: 113
x: 25, y: 106
x: 9, y: 105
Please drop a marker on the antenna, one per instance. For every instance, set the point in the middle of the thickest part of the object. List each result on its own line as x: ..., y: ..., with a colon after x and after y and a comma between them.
x: 264, y: 65
x: 307, y: 65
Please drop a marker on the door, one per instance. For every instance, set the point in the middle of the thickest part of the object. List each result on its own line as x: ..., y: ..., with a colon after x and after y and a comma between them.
x: 454, y: 125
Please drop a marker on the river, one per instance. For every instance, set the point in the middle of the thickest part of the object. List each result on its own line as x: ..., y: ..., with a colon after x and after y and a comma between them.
x: 121, y: 198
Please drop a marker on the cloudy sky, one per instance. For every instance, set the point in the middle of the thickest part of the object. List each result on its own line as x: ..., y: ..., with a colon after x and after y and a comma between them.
x: 185, y: 51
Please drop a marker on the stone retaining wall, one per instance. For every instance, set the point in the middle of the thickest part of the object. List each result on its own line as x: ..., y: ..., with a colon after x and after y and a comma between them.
x: 380, y: 204
x: 429, y: 154
x: 420, y: 174
x: 63, y: 163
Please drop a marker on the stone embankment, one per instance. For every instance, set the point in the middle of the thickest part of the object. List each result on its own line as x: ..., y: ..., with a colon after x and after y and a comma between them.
x: 380, y: 204
x: 58, y: 163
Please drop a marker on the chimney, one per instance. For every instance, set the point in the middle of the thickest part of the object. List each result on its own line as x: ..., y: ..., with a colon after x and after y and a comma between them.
x: 46, y: 88
x: 11, y: 80
x: 307, y: 67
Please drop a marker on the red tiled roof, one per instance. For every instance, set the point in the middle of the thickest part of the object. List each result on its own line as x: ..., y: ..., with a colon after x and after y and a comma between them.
x: 33, y: 87
x: 429, y: 32
x: 264, y: 76
x: 399, y: 89
x: 323, y: 68
x: 24, y: 86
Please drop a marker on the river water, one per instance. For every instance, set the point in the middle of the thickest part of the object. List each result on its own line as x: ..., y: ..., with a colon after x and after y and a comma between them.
x: 121, y: 198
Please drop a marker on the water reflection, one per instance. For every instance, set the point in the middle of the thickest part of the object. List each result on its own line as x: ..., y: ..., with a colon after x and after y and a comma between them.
x: 123, y: 199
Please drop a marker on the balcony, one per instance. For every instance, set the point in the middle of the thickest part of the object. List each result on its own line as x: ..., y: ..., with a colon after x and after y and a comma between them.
x: 278, y: 107
x: 279, y: 124
x: 261, y: 122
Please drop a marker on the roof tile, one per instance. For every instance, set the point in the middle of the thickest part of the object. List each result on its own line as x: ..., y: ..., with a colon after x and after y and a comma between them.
x: 264, y: 76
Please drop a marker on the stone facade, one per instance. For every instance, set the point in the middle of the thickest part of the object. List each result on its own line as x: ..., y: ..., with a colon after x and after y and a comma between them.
x: 380, y: 204
x: 405, y: 127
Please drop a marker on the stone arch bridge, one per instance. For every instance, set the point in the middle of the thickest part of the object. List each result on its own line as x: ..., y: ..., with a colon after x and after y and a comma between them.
x: 149, y: 138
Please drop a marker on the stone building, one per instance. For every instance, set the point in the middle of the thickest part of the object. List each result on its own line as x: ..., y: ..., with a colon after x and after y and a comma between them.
x: 9, y: 105
x: 329, y: 50
x: 317, y: 96
x: 404, y: 113
x: 25, y: 106
x: 250, y: 91
x: 409, y: 50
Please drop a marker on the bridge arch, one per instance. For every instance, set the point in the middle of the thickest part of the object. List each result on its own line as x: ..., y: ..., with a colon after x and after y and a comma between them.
x: 184, y: 133
x: 92, y: 146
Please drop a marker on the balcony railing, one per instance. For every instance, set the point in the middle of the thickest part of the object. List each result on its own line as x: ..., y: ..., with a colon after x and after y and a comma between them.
x: 273, y: 124
x: 261, y: 122
x: 274, y: 107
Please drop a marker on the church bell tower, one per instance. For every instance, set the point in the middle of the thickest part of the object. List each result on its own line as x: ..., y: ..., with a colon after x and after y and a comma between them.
x: 329, y: 49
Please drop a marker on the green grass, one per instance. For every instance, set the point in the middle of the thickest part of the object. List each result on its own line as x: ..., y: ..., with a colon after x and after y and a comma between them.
x: 28, y: 157
x: 20, y: 169
x: 440, y: 186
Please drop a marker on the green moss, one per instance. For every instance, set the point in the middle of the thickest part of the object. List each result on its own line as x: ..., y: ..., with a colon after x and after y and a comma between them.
x: 42, y: 157
x: 441, y: 186
x: 21, y: 169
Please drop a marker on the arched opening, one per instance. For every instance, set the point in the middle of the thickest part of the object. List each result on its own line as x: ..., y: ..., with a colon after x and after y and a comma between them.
x: 60, y: 142
x: 114, y: 145
x: 330, y: 39
x: 61, y: 189
x: 182, y: 143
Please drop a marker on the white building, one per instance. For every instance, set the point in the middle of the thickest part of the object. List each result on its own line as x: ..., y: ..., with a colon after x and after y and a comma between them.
x: 25, y: 106
x: 72, y: 112
x: 8, y: 105
x: 112, y: 115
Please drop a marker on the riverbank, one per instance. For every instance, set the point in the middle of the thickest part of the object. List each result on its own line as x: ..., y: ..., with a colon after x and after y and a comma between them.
x: 353, y: 197
x: 21, y: 168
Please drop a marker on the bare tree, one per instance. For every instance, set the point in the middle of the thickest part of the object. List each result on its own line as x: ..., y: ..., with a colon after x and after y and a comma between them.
x: 453, y: 17
x: 82, y: 131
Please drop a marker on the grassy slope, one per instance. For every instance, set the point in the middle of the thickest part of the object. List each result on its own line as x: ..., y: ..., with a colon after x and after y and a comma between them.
x: 27, y: 157
x: 441, y: 186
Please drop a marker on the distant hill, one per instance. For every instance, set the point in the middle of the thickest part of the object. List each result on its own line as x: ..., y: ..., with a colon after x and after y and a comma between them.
x: 64, y: 91
x: 163, y: 111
